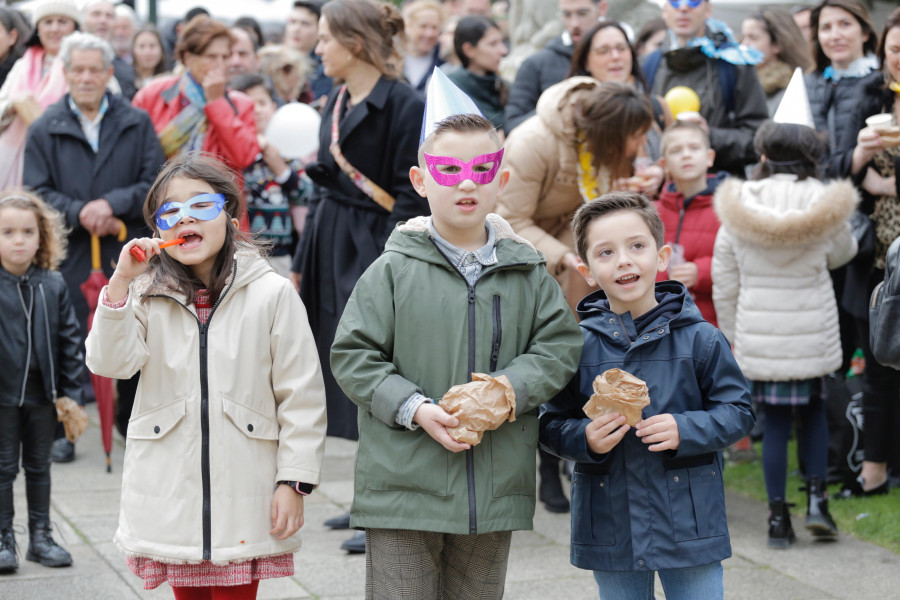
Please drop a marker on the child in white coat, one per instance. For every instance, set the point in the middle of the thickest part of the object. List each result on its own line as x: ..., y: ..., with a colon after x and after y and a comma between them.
x: 781, y: 234
x: 228, y: 427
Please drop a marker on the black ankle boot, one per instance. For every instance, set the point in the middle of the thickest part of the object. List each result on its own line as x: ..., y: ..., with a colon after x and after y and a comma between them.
x: 43, y: 549
x: 9, y: 562
x: 781, y: 534
x: 550, y: 491
x: 818, y: 519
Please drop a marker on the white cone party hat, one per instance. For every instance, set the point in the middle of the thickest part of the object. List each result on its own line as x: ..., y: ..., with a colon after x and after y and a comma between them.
x: 794, y: 105
x: 443, y: 99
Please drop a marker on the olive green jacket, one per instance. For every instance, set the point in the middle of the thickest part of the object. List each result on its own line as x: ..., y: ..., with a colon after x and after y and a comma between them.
x: 414, y: 325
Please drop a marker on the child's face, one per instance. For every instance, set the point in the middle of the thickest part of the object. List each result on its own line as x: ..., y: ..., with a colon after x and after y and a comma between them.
x: 203, y: 239
x: 459, y: 210
x: 263, y: 107
x: 688, y: 157
x: 20, y: 239
x: 623, y: 260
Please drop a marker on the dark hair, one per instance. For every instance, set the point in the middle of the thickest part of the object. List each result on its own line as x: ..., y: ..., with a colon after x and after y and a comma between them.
x: 782, y: 30
x: 788, y: 148
x: 610, y: 203
x: 650, y: 28
x: 168, y: 272
x: 371, y: 31
x: 194, y: 12
x: 469, y: 30
x: 12, y: 19
x: 313, y: 7
x: 892, y: 21
x: 161, y: 66
x: 198, y: 34
x: 679, y: 125
x: 859, y: 12
x: 35, y: 39
x: 246, y: 81
x: 463, y: 123
x: 583, y: 50
x: 607, y: 116
x: 251, y: 26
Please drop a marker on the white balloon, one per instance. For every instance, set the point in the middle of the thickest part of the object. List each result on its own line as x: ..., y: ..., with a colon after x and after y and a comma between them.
x: 294, y: 130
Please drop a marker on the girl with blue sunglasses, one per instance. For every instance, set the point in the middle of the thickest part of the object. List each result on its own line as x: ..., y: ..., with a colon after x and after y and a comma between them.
x: 228, y: 427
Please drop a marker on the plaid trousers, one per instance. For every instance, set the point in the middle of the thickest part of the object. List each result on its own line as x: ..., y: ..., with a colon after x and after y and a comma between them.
x: 417, y: 565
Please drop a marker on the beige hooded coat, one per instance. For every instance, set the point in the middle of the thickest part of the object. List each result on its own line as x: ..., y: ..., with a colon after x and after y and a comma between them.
x: 542, y: 153
x: 771, y: 283
x: 242, y: 413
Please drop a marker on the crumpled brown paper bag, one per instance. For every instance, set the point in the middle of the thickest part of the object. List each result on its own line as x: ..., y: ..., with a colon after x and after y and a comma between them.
x: 481, y: 405
x: 618, y: 391
x: 73, y: 418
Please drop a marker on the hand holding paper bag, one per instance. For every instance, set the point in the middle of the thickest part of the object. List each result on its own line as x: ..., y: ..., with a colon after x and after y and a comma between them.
x: 618, y: 391
x: 481, y: 405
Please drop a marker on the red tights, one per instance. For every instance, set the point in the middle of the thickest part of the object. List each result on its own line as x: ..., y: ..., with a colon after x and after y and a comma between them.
x: 222, y: 592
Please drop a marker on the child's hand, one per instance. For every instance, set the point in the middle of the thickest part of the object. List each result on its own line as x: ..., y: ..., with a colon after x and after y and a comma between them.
x: 660, y: 431
x: 127, y: 268
x: 435, y: 421
x: 603, y: 433
x: 686, y: 273
x: 287, y: 512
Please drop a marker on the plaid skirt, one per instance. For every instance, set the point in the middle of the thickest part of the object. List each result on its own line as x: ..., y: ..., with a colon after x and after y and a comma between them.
x: 206, y: 574
x: 787, y: 393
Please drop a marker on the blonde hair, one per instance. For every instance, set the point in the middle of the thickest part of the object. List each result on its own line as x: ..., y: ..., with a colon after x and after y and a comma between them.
x: 51, y: 229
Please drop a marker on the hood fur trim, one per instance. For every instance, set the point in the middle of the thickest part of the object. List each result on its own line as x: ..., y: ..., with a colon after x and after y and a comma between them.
x: 749, y: 210
x: 502, y: 229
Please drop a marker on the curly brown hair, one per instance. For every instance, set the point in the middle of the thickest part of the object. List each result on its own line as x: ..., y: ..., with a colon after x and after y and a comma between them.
x: 51, y: 228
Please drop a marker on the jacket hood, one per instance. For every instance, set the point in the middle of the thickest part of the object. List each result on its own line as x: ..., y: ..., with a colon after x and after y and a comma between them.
x: 670, y: 196
x: 249, y: 266
x: 413, y: 238
x: 555, y: 107
x: 558, y: 46
x: 782, y: 211
x: 675, y: 307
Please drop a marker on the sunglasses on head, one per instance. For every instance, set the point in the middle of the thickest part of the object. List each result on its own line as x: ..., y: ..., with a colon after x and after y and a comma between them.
x: 204, y: 207
x: 685, y: 3
x: 449, y: 171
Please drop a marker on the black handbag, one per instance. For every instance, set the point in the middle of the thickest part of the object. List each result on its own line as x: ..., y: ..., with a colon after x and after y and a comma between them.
x: 884, y: 313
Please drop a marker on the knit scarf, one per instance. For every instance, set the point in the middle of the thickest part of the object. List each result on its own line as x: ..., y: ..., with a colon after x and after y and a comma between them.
x: 187, y: 131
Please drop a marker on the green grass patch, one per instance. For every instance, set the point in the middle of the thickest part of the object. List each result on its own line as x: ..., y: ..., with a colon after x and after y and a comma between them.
x: 875, y: 519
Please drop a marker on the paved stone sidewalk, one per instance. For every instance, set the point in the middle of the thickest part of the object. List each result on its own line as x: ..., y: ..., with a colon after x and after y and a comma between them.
x: 86, y: 501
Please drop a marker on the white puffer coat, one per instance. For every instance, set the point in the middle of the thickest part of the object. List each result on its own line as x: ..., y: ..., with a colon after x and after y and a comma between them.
x: 237, y: 409
x: 771, y: 284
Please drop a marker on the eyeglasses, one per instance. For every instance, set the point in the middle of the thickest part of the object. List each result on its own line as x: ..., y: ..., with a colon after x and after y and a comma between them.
x: 476, y: 169
x: 685, y: 3
x: 604, y: 50
x: 204, y: 207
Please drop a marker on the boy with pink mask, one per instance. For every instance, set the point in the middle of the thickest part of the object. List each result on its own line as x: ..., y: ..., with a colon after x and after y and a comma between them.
x: 453, y: 294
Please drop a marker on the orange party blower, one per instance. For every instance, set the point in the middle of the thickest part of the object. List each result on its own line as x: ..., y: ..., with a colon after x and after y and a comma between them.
x: 138, y: 253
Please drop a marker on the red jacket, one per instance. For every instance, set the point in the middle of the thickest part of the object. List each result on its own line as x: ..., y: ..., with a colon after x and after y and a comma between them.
x: 699, y: 226
x: 231, y: 131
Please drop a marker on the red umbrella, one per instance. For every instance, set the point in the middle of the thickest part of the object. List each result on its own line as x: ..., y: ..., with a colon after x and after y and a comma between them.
x: 103, y: 386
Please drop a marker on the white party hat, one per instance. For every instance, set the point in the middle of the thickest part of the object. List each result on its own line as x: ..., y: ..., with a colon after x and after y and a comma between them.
x: 794, y: 105
x: 443, y: 99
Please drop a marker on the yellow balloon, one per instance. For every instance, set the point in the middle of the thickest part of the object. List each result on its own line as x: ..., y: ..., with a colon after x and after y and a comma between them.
x: 682, y: 99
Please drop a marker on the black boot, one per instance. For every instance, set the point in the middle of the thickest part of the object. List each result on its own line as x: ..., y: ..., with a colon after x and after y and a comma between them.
x: 9, y: 562
x: 818, y: 519
x: 43, y: 549
x: 550, y: 492
x: 781, y: 534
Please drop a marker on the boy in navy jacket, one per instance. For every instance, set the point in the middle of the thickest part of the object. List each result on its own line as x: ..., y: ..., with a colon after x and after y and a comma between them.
x: 650, y: 500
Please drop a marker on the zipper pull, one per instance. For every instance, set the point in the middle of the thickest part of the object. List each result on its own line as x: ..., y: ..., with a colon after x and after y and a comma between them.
x: 471, y: 295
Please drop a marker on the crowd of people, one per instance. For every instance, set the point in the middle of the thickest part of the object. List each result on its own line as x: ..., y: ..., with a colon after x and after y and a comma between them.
x: 562, y: 214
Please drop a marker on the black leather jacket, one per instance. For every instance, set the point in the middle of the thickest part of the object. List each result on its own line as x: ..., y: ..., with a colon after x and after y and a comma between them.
x: 37, y: 322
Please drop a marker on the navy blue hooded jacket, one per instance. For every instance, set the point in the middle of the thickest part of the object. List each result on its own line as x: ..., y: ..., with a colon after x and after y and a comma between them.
x: 633, y: 509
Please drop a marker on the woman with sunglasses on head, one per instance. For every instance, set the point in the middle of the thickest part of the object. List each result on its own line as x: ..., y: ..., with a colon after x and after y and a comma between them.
x: 702, y: 54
